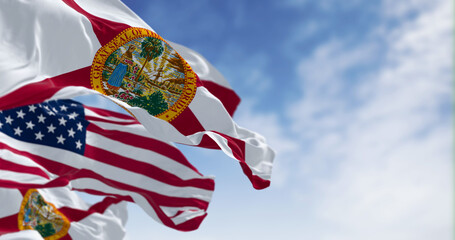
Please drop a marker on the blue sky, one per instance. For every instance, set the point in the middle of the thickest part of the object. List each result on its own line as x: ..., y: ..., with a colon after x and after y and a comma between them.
x: 355, y: 97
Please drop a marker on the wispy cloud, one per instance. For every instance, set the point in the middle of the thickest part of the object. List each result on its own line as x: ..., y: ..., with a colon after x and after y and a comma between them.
x: 380, y: 139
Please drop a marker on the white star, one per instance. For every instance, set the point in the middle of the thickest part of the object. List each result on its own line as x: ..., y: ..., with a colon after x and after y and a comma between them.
x: 41, y: 118
x: 1, y: 125
x: 51, y: 113
x: 31, y: 108
x: 54, y: 109
x: 30, y: 125
x: 46, y: 107
x: 62, y: 121
x: 79, y: 126
x: 63, y: 108
x: 73, y: 115
x: 71, y: 133
x: 9, y: 120
x: 20, y: 114
x: 78, y: 144
x: 73, y: 104
x: 17, y: 131
x: 51, y: 128
x: 61, y: 139
x: 39, y: 136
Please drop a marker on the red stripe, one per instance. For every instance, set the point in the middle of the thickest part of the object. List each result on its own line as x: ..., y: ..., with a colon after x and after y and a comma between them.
x: 23, y: 191
x: 75, y: 215
x: 105, y: 30
x: 14, y: 167
x: 66, y: 237
x: 9, y: 224
x: 58, y: 182
x: 145, y: 143
x: 207, y: 142
x: 227, y: 96
x: 187, y: 123
x: 99, y: 193
x: 41, y: 91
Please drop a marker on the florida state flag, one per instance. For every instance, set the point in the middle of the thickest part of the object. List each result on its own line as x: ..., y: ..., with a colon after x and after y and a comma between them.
x: 58, y: 213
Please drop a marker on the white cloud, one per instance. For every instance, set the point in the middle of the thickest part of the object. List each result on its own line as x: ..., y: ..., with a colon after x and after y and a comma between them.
x: 400, y: 9
x: 379, y: 156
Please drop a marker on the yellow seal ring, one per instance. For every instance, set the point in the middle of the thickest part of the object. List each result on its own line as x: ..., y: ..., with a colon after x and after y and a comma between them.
x: 140, y: 68
x: 29, y: 206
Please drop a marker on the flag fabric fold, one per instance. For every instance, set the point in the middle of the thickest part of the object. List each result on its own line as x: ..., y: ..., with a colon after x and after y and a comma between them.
x: 62, y: 49
x: 210, y: 77
x: 59, y: 213
x: 62, y: 142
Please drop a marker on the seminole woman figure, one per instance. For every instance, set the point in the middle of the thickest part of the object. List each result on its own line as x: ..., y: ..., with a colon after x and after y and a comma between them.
x: 116, y: 78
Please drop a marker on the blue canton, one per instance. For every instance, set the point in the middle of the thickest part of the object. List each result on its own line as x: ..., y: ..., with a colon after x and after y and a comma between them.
x: 59, y: 124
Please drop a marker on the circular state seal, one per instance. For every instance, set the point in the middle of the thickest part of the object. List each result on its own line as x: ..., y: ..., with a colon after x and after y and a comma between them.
x: 42, y: 216
x: 141, y: 69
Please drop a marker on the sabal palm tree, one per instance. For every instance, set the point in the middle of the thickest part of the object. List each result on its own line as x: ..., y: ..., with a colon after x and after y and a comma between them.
x: 151, y: 48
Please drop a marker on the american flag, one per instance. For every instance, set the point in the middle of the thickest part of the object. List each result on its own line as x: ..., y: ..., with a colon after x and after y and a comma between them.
x: 62, y: 142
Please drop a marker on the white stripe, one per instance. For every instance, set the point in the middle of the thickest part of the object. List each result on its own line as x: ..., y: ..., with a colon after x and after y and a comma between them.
x: 71, y: 92
x: 22, y: 177
x: 91, y: 113
x: 11, y: 201
x: 34, y: 30
x: 9, y: 156
x: 22, y: 235
x: 81, y: 162
x: 259, y: 157
x: 159, y: 129
x: 188, y: 214
x: 142, y: 155
x: 211, y: 113
x: 136, y: 129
